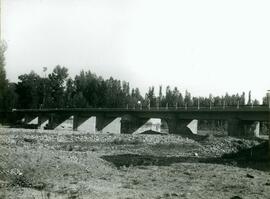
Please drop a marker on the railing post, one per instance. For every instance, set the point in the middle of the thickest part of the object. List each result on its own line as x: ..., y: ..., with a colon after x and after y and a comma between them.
x: 167, y: 106
x: 176, y: 105
x: 186, y: 106
x: 127, y: 106
x: 210, y: 105
x: 237, y: 104
x: 198, y: 103
x: 224, y: 104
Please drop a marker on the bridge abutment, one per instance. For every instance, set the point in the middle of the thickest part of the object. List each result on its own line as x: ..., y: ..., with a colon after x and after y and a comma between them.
x: 240, y: 128
x: 129, y: 124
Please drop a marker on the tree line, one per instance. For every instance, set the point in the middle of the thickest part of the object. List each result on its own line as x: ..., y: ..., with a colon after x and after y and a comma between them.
x: 87, y: 90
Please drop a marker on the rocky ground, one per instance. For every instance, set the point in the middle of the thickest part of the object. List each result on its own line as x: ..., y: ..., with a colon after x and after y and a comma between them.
x: 66, y: 164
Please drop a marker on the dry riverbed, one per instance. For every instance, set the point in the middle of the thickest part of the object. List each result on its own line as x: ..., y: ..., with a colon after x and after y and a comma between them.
x: 64, y: 164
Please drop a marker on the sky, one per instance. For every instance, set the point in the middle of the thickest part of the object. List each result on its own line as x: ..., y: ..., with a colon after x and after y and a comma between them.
x: 209, y: 46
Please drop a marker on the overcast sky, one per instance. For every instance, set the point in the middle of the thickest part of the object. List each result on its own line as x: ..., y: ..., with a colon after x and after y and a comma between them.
x: 203, y: 46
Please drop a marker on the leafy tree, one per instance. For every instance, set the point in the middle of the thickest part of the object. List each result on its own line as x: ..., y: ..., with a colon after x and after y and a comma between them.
x: 114, y: 93
x: 217, y: 101
x: 92, y: 87
x: 28, y: 89
x: 79, y: 100
x: 55, y: 88
x: 69, y: 94
x: 10, y: 97
x: 135, y: 97
x: 256, y: 102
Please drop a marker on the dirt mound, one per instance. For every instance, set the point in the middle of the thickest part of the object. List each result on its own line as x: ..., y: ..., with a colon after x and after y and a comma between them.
x: 46, y: 168
x: 220, y: 145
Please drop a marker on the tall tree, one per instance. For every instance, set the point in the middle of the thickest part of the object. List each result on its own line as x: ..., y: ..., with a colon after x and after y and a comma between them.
x: 114, y: 93
x: 249, y: 98
x: 169, y: 96
x: 187, y: 99
x: 3, y: 80
x: 135, y: 97
x: 265, y: 100
x: 28, y: 89
x: 175, y: 96
x: 243, y: 99
x: 10, y: 97
x: 125, y: 92
x: 150, y: 97
x: 56, y: 87
x: 69, y: 93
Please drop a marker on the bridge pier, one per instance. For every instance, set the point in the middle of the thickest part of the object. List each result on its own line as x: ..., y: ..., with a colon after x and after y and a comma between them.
x: 240, y: 128
x: 29, y: 118
x: 78, y: 120
x: 181, y: 126
x: 55, y: 120
x: 102, y: 121
x: 252, y: 128
x: 42, y: 119
x: 129, y: 124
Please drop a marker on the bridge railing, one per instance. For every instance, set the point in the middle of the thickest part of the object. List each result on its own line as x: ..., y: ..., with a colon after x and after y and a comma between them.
x: 228, y: 107
x: 167, y: 108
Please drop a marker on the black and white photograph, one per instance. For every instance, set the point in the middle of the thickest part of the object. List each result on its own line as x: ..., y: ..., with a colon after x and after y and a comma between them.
x: 134, y: 99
